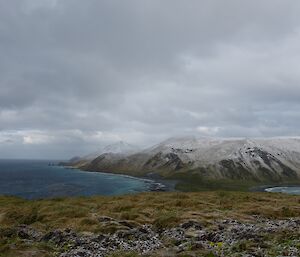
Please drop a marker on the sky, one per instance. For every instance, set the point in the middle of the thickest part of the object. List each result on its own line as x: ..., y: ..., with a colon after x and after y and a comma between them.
x: 76, y: 75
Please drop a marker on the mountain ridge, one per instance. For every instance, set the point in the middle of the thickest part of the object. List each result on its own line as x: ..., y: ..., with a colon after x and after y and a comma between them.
x: 120, y: 147
x: 237, y: 159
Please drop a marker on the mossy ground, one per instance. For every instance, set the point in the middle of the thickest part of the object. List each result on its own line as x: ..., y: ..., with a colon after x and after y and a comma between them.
x: 160, y: 209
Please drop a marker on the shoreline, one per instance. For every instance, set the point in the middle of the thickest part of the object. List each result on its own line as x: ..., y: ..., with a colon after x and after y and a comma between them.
x: 264, y: 188
x: 155, y: 184
x: 159, y: 184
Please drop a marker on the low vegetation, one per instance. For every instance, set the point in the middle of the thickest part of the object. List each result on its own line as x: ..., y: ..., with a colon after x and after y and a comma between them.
x: 162, y: 210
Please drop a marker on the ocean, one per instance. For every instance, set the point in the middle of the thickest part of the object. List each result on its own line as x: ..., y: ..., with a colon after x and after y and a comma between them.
x: 37, y: 179
x: 293, y: 190
x: 32, y: 179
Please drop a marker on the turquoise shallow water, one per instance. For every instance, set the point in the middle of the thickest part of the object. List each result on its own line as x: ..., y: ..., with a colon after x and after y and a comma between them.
x: 295, y: 190
x: 36, y: 179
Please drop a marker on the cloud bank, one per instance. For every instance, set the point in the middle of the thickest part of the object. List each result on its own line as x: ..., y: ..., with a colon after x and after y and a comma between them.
x: 75, y: 75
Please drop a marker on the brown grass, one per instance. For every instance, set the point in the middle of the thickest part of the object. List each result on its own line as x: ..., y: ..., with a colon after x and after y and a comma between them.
x: 160, y: 209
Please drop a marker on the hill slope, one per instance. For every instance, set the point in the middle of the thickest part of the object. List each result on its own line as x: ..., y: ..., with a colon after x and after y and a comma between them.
x: 120, y: 147
x: 261, y: 160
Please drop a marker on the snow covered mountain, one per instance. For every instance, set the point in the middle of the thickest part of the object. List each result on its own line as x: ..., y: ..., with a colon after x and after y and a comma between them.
x: 270, y: 159
x: 120, y: 147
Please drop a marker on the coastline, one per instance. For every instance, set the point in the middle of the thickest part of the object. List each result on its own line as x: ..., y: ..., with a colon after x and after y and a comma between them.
x: 264, y: 188
x: 155, y: 184
x: 158, y: 184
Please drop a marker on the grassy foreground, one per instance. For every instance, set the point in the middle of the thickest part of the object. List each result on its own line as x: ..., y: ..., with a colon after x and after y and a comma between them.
x: 162, y: 210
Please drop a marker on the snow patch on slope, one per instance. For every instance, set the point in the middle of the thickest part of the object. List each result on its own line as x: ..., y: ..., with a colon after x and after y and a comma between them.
x: 120, y: 147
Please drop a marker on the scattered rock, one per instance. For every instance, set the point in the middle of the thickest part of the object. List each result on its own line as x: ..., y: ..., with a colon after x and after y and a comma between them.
x: 191, y: 224
x: 226, y: 236
x: 27, y: 232
x: 192, y: 233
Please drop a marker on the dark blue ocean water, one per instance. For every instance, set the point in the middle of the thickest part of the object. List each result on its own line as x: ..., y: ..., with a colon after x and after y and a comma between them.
x: 35, y: 179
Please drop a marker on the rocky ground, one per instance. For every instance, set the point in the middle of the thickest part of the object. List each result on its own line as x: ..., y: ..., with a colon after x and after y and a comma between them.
x: 264, y: 237
x: 170, y: 224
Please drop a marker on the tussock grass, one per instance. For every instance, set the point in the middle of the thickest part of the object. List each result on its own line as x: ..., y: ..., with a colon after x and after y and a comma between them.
x: 160, y: 209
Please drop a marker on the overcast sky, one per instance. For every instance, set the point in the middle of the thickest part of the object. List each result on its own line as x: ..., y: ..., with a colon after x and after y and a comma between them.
x: 76, y: 75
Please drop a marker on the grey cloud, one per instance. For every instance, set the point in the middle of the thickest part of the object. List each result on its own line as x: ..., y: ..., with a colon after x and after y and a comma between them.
x: 78, y: 74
